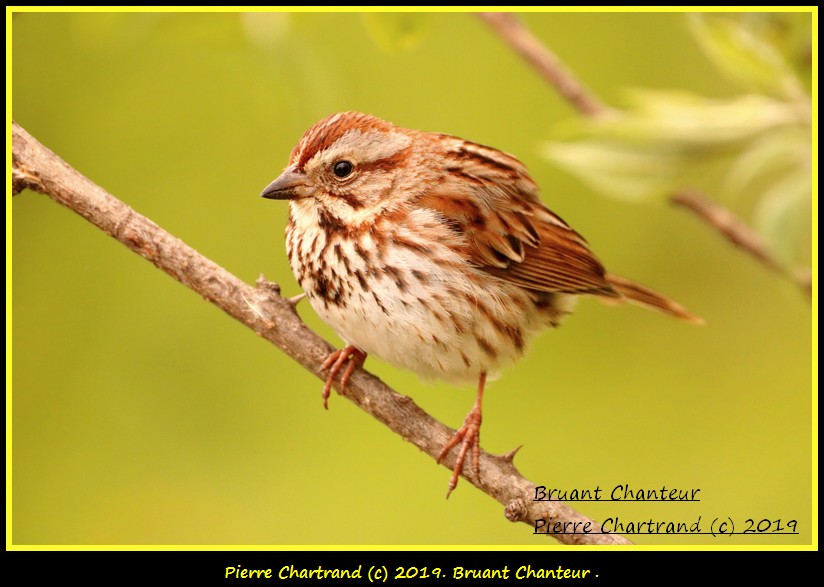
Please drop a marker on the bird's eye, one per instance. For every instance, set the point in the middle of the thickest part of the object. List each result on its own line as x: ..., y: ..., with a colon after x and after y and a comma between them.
x: 343, y: 168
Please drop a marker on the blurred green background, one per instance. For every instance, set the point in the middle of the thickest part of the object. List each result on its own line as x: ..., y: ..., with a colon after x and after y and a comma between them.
x: 144, y: 415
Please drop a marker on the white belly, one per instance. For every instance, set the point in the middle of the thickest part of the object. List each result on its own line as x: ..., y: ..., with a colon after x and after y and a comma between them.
x: 426, y: 311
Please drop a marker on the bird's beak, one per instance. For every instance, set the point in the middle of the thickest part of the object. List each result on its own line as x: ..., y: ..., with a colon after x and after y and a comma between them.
x: 290, y: 185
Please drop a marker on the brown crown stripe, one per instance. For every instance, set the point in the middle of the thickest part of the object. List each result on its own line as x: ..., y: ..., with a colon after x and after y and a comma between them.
x: 327, y: 132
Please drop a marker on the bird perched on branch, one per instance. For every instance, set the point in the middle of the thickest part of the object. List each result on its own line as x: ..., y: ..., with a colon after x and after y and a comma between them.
x: 433, y: 253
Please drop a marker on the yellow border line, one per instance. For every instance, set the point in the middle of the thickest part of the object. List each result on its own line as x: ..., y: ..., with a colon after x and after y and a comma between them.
x: 581, y: 9
x: 399, y: 547
x: 814, y: 100
x: 8, y: 281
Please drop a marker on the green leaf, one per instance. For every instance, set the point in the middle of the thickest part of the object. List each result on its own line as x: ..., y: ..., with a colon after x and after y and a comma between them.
x: 685, y: 121
x: 397, y: 31
x: 773, y: 154
x: 742, y: 55
x: 616, y: 170
x: 667, y: 137
x: 783, y: 216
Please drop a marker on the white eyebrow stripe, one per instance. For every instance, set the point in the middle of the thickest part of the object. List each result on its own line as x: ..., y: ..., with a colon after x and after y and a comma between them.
x: 371, y: 145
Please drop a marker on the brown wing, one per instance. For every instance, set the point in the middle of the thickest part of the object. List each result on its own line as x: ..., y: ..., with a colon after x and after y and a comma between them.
x: 489, y: 197
x: 560, y: 262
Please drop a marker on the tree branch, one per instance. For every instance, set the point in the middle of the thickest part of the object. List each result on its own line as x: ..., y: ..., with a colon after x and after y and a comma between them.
x: 738, y: 233
x: 545, y: 62
x: 272, y: 317
x: 550, y: 67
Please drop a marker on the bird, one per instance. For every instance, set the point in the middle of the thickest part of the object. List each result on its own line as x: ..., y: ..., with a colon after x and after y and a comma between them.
x: 433, y: 253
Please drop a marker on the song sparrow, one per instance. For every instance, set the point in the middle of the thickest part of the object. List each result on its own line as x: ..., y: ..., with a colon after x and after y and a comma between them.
x: 433, y: 253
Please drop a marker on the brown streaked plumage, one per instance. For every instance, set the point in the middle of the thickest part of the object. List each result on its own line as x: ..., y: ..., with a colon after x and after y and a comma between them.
x: 433, y: 253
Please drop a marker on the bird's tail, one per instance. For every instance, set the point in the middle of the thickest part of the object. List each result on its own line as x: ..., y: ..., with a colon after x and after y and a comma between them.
x: 643, y: 296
